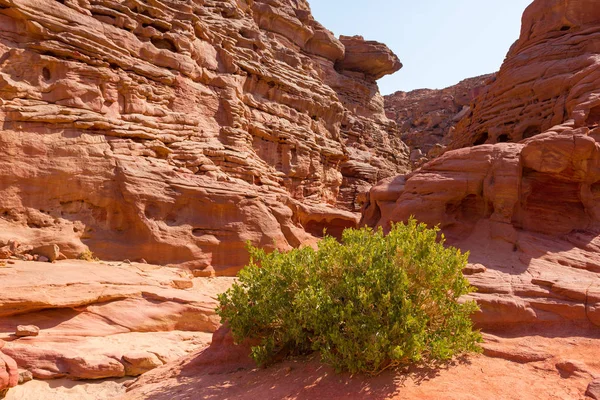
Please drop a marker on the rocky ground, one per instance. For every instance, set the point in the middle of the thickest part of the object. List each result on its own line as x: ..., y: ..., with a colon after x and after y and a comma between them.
x: 96, y: 320
x: 552, y: 365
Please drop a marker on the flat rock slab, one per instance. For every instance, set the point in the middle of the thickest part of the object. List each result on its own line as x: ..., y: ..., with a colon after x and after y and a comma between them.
x: 103, y: 320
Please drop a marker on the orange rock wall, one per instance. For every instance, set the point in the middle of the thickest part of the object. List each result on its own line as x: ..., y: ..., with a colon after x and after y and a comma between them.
x: 177, y: 131
x: 529, y: 212
x: 550, y: 75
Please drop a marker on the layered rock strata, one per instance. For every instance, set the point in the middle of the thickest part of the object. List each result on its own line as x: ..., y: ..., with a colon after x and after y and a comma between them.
x: 550, y: 75
x: 177, y: 131
x: 427, y: 118
x: 102, y: 320
x: 529, y: 211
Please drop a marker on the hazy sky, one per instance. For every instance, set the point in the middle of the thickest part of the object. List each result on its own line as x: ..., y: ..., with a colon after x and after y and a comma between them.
x: 440, y: 42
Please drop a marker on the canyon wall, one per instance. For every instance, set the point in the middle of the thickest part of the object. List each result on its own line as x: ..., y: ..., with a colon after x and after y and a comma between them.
x: 175, y: 132
x: 550, y: 76
x: 427, y: 118
x: 528, y: 211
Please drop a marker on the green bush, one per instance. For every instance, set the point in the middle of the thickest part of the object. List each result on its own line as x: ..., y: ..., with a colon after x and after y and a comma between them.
x: 371, y: 302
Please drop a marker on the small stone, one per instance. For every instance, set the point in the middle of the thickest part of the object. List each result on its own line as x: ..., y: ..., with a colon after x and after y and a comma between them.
x: 569, y: 367
x: 25, y: 376
x: 138, y: 363
x: 143, y: 261
x: 183, y: 283
x: 27, y: 330
x: 593, y: 390
x: 208, y: 272
x: 10, y: 262
x: 127, y: 261
x: 472, y: 269
x: 51, y: 251
x: 42, y: 259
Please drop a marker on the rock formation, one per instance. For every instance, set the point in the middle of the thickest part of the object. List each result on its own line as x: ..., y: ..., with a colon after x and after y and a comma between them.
x: 177, y: 131
x: 529, y: 212
x: 550, y: 75
x: 97, y: 320
x: 427, y: 118
x: 8, y: 372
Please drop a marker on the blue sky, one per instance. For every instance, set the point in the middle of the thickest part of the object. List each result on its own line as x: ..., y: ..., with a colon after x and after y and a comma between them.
x: 440, y: 42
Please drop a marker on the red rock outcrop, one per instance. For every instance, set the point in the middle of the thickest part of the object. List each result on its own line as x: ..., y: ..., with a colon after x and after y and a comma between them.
x: 550, y: 75
x: 102, y: 320
x: 529, y: 212
x: 9, y: 375
x: 177, y: 131
x: 427, y: 118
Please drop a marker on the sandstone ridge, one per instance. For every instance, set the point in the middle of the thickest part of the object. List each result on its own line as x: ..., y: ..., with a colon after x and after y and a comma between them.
x: 528, y: 211
x: 550, y: 76
x: 175, y: 132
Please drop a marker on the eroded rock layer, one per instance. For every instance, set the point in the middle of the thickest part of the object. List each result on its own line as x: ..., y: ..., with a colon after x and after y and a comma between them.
x: 92, y: 320
x: 529, y: 214
x: 427, y: 118
x: 529, y: 211
x: 550, y: 75
x: 177, y: 131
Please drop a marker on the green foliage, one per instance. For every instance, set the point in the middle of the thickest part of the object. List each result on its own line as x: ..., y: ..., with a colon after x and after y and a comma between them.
x: 87, y: 255
x: 371, y: 302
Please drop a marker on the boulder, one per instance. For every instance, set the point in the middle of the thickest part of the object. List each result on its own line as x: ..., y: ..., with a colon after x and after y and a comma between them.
x: 50, y: 252
x: 593, y: 390
x: 27, y: 330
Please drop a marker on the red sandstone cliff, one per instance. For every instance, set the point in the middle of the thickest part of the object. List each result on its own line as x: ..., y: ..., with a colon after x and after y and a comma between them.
x: 177, y: 131
x: 528, y: 211
x: 427, y: 118
x: 550, y: 76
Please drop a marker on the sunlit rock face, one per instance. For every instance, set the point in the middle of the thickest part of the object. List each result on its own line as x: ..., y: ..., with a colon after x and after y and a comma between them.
x: 551, y: 75
x: 177, y: 131
x: 528, y: 207
x: 427, y: 118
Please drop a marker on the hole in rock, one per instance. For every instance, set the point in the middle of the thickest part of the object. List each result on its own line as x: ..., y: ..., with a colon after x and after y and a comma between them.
x: 503, y: 138
x: 165, y: 44
x: 481, y: 139
x: 565, y: 28
x: 46, y: 73
x: 593, y: 118
x: 531, y: 131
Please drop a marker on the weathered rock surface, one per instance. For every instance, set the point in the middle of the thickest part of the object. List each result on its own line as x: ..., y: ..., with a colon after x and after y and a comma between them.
x: 427, y: 118
x: 177, y: 131
x: 9, y: 375
x: 550, y: 75
x: 593, y: 390
x: 101, y: 320
x: 502, y: 376
x: 527, y: 211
